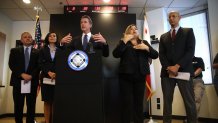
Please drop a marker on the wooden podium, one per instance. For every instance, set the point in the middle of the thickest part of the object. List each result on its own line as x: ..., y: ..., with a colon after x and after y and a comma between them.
x: 79, y: 94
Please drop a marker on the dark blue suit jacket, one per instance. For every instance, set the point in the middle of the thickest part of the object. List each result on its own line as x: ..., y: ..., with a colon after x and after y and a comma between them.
x: 17, y: 66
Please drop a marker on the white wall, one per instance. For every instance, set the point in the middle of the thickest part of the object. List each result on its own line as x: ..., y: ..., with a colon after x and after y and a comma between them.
x: 213, y: 20
x: 158, y: 24
x: 6, y: 28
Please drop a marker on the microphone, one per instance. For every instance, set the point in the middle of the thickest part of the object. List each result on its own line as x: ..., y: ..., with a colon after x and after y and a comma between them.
x: 91, y: 49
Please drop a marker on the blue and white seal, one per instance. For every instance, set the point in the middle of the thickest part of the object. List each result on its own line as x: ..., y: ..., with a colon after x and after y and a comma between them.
x: 78, y: 60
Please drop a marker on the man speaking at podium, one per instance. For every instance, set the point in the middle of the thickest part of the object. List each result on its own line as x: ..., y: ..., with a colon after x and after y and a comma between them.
x: 86, y: 39
x: 83, y: 91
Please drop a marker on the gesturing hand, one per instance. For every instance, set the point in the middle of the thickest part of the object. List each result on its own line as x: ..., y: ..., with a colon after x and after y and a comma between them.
x: 127, y: 37
x: 99, y: 38
x: 66, y: 39
x: 142, y: 46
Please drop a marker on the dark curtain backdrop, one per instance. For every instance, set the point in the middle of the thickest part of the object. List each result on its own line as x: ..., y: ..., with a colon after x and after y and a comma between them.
x: 112, y: 27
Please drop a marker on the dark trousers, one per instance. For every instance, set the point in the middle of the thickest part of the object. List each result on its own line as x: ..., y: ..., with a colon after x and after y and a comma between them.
x: 132, y: 89
x: 215, y: 81
x: 187, y: 92
x: 19, y: 104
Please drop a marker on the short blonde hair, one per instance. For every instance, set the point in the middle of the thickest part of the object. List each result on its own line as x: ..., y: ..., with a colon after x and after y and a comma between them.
x: 127, y: 31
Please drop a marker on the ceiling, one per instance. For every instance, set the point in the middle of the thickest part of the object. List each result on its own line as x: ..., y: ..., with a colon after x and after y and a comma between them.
x: 16, y: 10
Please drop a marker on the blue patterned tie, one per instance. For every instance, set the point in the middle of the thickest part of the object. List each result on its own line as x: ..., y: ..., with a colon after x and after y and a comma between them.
x: 27, y: 58
x: 85, y: 41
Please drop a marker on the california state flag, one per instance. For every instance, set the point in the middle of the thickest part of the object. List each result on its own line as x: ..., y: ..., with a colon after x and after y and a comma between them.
x: 150, y: 79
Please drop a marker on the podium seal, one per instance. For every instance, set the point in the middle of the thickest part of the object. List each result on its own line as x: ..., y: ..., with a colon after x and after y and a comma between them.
x: 78, y: 60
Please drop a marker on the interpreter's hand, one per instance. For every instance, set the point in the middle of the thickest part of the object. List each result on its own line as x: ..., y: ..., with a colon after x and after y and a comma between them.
x: 26, y: 77
x: 99, y: 38
x: 127, y: 37
x: 142, y: 46
x: 67, y: 39
x: 52, y: 75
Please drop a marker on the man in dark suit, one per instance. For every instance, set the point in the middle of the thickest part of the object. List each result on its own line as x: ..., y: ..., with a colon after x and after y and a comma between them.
x: 23, y: 62
x: 215, y: 67
x: 82, y: 42
x: 176, y: 51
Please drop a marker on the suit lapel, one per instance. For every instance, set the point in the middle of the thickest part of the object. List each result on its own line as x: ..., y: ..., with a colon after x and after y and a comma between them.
x: 48, y: 53
x: 57, y: 50
x: 169, y: 36
x: 32, y: 55
x: 79, y: 43
x: 178, y: 34
x: 92, y: 41
x: 21, y: 50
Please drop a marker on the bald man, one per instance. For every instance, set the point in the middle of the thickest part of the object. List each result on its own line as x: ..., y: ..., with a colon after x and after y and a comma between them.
x: 23, y: 62
x: 176, y: 51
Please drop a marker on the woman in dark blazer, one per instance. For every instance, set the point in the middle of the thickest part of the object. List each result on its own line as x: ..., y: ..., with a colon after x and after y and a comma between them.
x: 47, y: 65
x: 134, y: 55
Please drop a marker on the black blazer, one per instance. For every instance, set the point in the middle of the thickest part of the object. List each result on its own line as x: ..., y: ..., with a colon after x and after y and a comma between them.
x: 17, y: 66
x: 180, y: 51
x: 45, y: 62
x: 76, y: 44
x: 132, y: 60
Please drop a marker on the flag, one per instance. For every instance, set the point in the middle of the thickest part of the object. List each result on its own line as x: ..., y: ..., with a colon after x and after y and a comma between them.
x: 38, y: 34
x: 148, y: 86
x: 146, y: 33
x: 149, y: 79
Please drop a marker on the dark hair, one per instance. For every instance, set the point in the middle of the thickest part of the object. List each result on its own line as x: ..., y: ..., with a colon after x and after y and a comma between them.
x: 86, y: 16
x: 46, y: 39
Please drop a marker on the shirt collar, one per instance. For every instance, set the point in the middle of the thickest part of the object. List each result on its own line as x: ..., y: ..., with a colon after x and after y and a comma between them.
x: 177, y: 28
x: 30, y: 47
x: 88, y: 34
x: 29, y: 50
x: 50, y: 48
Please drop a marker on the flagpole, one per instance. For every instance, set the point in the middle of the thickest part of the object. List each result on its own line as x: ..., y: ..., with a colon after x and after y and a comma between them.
x: 150, y: 113
x: 37, y: 8
x: 149, y: 84
x: 37, y: 28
